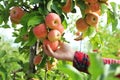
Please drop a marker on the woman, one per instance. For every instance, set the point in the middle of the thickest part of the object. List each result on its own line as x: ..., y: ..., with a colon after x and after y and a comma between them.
x: 80, y: 60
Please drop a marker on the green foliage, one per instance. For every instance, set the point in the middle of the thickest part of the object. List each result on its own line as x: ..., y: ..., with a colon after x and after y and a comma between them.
x: 106, y: 40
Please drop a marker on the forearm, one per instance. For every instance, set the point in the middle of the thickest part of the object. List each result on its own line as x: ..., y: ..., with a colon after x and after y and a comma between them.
x: 81, y: 61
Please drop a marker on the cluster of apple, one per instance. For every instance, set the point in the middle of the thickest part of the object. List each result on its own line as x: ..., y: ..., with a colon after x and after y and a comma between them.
x: 50, y: 31
x: 91, y: 18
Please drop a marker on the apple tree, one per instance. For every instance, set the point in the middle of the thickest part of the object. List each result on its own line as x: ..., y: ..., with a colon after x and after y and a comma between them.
x: 38, y: 22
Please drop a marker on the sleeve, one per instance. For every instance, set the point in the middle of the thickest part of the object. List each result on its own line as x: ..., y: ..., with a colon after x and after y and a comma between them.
x: 81, y: 61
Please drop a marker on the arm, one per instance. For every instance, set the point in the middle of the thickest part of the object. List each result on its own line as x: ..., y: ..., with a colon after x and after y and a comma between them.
x: 65, y: 52
x: 80, y: 60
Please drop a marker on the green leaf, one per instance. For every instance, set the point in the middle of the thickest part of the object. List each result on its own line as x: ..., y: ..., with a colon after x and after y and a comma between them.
x: 1, y: 19
x: 43, y: 62
x: 12, y: 59
x: 82, y: 6
x: 17, y: 40
x: 2, y: 53
x: 71, y: 71
x: 112, y: 19
x: 32, y: 39
x: 6, y: 26
x: 35, y: 1
x: 49, y: 5
x: 57, y: 9
x: 64, y: 24
x: 1, y: 7
x: 35, y: 20
x: 104, y: 8
x: 3, y: 73
x: 96, y: 67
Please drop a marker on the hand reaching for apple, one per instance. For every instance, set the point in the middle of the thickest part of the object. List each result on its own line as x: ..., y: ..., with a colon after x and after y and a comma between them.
x: 65, y: 52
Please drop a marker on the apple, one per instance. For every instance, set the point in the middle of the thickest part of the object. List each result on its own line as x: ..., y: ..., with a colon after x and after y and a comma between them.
x: 53, y: 45
x: 40, y: 31
x: 16, y: 13
x: 52, y: 20
x: 54, y: 35
x: 67, y: 7
x: 37, y: 59
x: 60, y: 28
x: 92, y: 19
x: 94, y: 7
x: 81, y: 25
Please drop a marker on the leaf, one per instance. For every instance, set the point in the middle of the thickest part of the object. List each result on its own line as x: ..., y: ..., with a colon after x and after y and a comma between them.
x: 17, y: 40
x: 104, y: 8
x: 6, y: 26
x: 112, y: 19
x: 32, y: 39
x: 34, y: 20
x: 64, y: 24
x: 1, y: 7
x: 57, y: 9
x: 34, y: 1
x: 12, y: 59
x: 42, y: 64
x: 1, y: 19
x: 71, y: 71
x: 96, y: 67
x: 2, y: 53
x: 3, y: 73
x: 49, y: 5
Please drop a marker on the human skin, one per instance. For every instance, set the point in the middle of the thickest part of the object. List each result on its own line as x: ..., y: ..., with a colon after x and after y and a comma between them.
x: 65, y: 52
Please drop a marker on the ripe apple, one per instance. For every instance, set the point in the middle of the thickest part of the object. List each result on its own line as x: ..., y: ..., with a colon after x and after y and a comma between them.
x: 60, y: 28
x: 40, y: 31
x: 16, y: 13
x: 92, y: 19
x: 52, y: 20
x: 37, y: 59
x: 54, y: 35
x: 53, y: 45
x: 67, y: 7
x: 94, y: 7
x: 81, y: 25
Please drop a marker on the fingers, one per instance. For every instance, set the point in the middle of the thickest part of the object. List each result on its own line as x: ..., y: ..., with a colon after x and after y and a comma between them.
x: 48, y: 51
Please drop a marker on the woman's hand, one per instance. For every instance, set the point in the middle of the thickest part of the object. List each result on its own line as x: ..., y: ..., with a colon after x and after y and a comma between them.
x: 65, y: 52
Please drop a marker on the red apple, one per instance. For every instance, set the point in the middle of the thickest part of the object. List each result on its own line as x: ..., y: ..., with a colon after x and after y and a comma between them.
x: 53, y: 45
x: 92, y: 19
x: 67, y: 7
x: 60, y: 28
x: 81, y: 25
x: 16, y: 13
x: 54, y: 35
x: 40, y: 31
x: 37, y: 59
x: 52, y: 20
